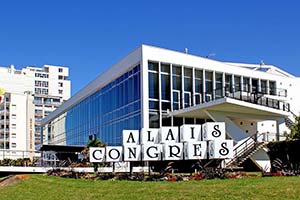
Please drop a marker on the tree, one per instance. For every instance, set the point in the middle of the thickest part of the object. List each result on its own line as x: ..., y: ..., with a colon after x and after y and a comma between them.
x: 93, y: 142
x: 295, y: 130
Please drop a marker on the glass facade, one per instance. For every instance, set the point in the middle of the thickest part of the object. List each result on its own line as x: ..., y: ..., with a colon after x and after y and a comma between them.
x: 107, y: 112
x: 173, y: 87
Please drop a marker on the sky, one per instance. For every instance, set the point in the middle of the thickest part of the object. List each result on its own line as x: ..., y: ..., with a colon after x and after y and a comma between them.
x: 90, y: 36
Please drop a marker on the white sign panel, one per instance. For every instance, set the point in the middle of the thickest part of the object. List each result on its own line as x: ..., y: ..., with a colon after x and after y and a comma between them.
x: 169, y: 134
x: 173, y: 151
x: 152, y: 152
x: 114, y: 153
x: 190, y: 133
x: 132, y: 152
x: 131, y: 137
x: 213, y: 131
x: 196, y: 150
x: 150, y: 136
x: 220, y: 149
x: 97, y: 154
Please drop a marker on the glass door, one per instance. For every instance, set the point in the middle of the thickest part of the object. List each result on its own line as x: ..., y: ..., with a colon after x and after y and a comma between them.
x: 187, y: 99
x: 176, y: 99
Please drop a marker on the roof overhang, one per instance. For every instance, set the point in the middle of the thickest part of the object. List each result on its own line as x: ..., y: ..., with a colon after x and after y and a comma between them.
x: 61, y: 148
x: 229, y: 105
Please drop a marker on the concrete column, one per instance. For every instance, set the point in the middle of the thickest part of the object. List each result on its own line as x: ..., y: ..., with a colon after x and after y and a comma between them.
x: 204, y: 86
x: 159, y: 94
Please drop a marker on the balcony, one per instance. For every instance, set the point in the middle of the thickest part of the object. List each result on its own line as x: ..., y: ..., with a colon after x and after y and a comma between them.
x: 2, y: 121
x: 4, y: 111
x: 254, y: 97
x: 229, y: 101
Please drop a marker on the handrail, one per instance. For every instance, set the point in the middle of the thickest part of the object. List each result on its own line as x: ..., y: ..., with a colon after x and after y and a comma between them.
x: 248, y: 145
x: 254, y: 97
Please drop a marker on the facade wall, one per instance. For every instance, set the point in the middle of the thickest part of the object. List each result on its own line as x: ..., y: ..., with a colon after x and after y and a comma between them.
x: 18, y: 134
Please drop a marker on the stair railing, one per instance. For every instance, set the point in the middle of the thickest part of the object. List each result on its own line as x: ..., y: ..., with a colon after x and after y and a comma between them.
x: 248, y: 146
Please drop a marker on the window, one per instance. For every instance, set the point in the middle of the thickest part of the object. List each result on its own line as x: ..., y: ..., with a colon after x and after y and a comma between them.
x: 228, y: 83
x: 37, y: 90
x: 208, y: 86
x: 60, y: 69
x: 13, y: 135
x: 60, y: 77
x: 60, y: 92
x: 153, y: 66
x: 165, y: 68
x: 13, y: 126
x: 187, y: 79
x: 237, y: 83
x: 60, y: 84
x: 13, y: 145
x: 219, y: 88
x: 246, y: 84
x: 153, y: 85
x: 44, y: 83
x: 263, y: 86
x: 14, y: 116
x: 38, y: 83
x: 165, y: 87
x: 198, y: 86
x: 176, y: 77
x: 41, y: 75
x: 44, y: 91
x: 272, y: 85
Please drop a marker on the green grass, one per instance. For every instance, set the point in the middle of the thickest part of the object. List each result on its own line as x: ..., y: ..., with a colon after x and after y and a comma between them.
x: 52, y: 188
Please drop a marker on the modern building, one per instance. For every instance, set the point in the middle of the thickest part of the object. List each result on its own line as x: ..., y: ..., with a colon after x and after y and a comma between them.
x: 30, y: 95
x: 154, y: 87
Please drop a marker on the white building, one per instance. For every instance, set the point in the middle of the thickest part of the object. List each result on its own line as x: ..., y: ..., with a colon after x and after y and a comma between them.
x: 30, y: 94
x: 154, y: 87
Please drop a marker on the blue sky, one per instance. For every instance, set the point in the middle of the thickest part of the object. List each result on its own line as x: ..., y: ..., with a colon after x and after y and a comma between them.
x: 90, y: 36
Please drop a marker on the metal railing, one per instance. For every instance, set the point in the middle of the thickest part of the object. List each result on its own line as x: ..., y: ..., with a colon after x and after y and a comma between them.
x: 257, y: 98
x: 250, y: 145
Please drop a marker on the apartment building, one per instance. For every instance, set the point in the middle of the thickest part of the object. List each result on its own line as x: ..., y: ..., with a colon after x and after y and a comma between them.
x: 30, y: 94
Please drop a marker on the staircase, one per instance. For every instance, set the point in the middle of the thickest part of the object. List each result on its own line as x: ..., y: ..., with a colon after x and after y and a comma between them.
x: 247, y: 148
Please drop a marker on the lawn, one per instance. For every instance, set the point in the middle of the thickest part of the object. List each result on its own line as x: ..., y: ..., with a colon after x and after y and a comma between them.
x: 52, y: 188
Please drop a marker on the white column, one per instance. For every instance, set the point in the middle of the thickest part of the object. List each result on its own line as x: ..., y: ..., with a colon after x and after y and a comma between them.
x: 159, y: 95
x: 144, y: 90
x: 204, y: 86
x: 193, y: 86
x: 171, y: 89
x: 182, y: 87
x: 214, y: 85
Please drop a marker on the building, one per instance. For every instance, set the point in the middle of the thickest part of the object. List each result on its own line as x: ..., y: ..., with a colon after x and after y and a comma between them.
x: 30, y: 95
x: 154, y: 87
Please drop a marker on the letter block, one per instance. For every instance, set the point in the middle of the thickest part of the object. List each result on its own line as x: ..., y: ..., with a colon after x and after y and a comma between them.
x: 131, y: 137
x: 150, y: 136
x: 97, y: 154
x: 132, y: 152
x: 114, y: 153
x: 196, y: 150
x: 190, y: 133
x: 169, y: 134
x: 152, y: 152
x: 220, y: 149
x: 213, y: 131
x: 173, y: 151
